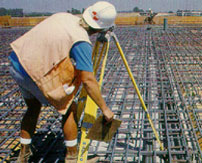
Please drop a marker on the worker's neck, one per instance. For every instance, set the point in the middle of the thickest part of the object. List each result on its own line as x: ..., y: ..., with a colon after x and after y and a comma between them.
x: 92, y: 31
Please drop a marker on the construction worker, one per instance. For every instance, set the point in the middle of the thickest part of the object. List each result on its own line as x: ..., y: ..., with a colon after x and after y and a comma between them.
x: 41, y: 64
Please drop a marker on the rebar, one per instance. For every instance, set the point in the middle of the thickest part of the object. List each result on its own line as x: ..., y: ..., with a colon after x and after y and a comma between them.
x: 167, y: 66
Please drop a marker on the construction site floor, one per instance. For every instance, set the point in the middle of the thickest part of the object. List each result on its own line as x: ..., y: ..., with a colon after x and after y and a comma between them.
x: 167, y: 67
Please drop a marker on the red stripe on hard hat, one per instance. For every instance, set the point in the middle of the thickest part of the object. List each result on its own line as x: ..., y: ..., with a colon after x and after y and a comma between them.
x: 94, y: 13
x: 95, y: 18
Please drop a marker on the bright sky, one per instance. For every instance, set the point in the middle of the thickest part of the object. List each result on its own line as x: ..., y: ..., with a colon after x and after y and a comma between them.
x: 121, y: 5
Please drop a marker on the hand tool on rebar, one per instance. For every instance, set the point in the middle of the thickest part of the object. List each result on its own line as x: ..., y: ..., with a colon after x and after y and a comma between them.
x: 103, y: 131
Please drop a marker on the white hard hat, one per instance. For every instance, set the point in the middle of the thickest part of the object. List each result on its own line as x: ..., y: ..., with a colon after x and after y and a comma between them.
x: 100, y: 15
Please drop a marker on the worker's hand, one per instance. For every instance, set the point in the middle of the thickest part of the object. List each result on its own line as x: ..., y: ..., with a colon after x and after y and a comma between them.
x: 108, y: 114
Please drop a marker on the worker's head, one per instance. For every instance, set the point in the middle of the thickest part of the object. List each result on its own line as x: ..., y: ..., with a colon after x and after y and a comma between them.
x: 101, y: 15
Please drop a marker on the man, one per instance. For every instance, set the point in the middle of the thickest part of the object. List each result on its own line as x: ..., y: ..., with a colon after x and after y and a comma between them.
x: 42, y: 68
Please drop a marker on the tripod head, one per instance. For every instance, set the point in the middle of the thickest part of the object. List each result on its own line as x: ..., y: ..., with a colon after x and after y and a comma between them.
x: 110, y: 29
x: 103, y: 36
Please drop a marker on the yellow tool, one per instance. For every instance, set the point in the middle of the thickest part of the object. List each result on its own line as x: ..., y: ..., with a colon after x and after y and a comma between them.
x: 90, y: 110
x: 91, y: 107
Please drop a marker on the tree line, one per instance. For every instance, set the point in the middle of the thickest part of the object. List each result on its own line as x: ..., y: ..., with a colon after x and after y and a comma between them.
x: 19, y: 12
x: 12, y: 12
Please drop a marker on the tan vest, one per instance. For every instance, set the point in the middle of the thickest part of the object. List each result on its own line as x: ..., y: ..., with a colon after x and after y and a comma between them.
x: 44, y: 53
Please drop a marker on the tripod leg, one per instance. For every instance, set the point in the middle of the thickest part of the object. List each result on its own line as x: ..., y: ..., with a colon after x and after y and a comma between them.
x: 136, y: 88
x: 95, y: 53
x: 95, y: 49
x: 104, y: 64
x: 99, y: 60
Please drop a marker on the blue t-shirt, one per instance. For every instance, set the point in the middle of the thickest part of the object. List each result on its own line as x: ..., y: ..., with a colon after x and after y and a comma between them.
x: 16, y: 64
x: 81, y: 52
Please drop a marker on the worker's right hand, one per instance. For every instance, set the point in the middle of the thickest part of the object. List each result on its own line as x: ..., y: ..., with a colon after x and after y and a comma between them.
x: 108, y: 114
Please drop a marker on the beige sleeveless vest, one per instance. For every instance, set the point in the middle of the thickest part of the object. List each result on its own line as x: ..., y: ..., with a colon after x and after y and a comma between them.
x: 44, y: 53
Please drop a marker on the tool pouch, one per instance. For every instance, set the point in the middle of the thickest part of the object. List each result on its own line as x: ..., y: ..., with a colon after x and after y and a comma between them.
x: 60, y: 84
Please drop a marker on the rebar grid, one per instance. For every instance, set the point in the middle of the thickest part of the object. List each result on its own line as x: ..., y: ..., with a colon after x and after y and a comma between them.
x: 167, y: 68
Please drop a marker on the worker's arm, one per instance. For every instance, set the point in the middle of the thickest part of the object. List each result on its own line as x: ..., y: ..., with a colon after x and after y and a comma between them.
x: 81, y: 52
x: 92, y: 88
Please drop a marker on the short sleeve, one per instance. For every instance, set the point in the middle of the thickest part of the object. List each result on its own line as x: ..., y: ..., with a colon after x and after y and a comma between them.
x: 81, y: 52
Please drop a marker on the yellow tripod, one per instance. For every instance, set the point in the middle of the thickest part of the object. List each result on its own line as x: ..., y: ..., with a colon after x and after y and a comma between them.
x: 90, y: 111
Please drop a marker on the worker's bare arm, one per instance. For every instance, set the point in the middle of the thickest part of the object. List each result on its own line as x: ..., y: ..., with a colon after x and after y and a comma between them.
x: 92, y: 88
